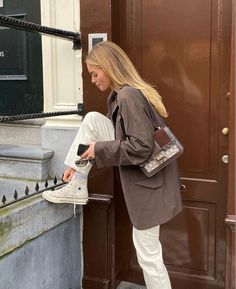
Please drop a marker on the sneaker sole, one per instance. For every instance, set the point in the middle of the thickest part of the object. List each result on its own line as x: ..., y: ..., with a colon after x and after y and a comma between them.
x: 80, y: 201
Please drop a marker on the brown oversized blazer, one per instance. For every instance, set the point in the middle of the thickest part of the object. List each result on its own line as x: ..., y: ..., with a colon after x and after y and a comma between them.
x: 150, y: 201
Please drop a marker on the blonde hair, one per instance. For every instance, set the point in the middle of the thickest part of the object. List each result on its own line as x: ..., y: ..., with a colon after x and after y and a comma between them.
x: 116, y: 64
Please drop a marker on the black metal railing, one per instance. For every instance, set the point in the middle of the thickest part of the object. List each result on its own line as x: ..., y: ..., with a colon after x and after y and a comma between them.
x: 7, y: 118
x: 15, y: 198
x: 33, y: 27
x: 6, y: 201
x: 14, y: 23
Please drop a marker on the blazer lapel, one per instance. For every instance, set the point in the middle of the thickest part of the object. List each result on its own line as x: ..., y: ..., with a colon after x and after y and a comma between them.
x: 112, y: 106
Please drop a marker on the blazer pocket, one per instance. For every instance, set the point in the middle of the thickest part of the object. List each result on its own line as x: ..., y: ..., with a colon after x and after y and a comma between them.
x: 154, y: 182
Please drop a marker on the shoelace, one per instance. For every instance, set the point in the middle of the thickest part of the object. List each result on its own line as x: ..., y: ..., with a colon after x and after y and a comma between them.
x: 74, y: 211
x: 66, y: 187
x: 74, y: 204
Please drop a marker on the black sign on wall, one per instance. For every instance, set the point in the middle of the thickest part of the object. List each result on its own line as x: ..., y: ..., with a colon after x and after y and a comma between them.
x: 21, y: 84
x: 13, y: 56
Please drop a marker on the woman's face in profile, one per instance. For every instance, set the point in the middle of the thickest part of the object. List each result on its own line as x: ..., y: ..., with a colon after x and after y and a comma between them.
x: 99, y: 77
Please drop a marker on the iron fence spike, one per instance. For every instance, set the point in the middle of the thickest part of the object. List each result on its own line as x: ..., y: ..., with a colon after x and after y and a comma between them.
x: 26, y: 190
x: 46, y: 184
x: 15, y: 195
x: 4, y: 199
x: 55, y: 181
x: 37, y: 187
x: 18, y: 198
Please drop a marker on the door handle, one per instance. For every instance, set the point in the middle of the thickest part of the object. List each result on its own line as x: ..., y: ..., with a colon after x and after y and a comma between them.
x: 225, y: 131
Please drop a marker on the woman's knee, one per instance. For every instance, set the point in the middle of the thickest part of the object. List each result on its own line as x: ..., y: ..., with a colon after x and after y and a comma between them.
x: 92, y: 115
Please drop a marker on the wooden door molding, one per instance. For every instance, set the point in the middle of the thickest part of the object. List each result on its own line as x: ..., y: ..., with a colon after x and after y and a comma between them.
x: 98, y: 215
x: 231, y: 218
x: 98, y: 243
x: 95, y: 17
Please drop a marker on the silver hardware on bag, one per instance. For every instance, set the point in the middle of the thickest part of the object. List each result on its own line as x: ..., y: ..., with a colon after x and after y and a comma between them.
x: 161, y: 157
x: 167, y: 147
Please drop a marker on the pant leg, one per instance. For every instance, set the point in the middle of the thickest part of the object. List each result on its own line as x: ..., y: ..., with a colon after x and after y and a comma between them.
x: 95, y: 127
x: 149, y: 254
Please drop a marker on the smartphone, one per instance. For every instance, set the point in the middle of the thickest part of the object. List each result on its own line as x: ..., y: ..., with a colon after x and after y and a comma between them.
x: 81, y: 149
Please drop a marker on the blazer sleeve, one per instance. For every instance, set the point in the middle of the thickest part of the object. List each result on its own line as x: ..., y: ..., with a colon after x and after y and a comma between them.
x: 137, y: 142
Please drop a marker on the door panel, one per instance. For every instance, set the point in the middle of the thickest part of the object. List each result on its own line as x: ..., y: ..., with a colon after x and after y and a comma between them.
x: 182, y: 48
x: 21, y: 85
x: 191, y: 253
x: 182, y: 71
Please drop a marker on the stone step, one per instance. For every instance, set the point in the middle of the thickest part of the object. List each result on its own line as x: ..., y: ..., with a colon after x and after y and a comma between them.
x: 24, y: 162
x: 22, y: 132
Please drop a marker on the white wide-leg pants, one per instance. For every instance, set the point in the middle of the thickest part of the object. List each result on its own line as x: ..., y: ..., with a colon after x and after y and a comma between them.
x: 97, y: 127
x: 149, y: 253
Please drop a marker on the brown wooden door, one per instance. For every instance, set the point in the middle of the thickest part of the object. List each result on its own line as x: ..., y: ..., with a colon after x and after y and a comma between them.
x: 183, y: 48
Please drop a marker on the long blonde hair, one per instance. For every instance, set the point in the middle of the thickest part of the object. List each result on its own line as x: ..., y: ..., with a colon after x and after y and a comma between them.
x: 116, y: 64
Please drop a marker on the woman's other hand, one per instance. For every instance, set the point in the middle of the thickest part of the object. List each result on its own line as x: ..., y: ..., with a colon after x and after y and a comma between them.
x: 68, y: 174
x: 89, y: 154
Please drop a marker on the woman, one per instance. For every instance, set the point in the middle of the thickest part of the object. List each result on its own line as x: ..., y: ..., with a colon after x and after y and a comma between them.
x: 125, y: 139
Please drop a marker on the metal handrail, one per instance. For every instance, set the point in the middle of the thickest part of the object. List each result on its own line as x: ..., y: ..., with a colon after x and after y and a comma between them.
x: 33, y: 27
x: 14, y: 23
x: 7, y: 118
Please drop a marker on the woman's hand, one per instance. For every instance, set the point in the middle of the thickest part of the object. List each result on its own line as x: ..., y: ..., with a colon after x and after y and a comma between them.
x: 68, y: 174
x: 89, y: 154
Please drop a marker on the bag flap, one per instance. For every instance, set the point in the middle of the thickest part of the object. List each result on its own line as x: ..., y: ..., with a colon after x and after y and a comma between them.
x: 161, y: 137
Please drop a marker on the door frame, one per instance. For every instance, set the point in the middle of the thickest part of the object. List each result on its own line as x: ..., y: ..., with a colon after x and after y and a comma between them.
x: 103, y: 23
x: 230, y: 219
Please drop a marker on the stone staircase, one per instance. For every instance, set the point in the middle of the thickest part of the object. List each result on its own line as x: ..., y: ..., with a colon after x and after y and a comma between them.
x: 33, y: 247
x: 23, y: 160
x: 21, y: 132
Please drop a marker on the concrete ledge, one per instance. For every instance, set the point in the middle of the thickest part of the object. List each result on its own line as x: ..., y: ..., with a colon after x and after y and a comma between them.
x: 26, y: 152
x: 58, y: 139
x: 24, y: 162
x: 27, y: 219
x: 23, y: 132
x: 17, y: 168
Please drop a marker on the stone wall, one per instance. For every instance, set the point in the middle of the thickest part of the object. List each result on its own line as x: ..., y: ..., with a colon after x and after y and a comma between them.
x: 40, y: 246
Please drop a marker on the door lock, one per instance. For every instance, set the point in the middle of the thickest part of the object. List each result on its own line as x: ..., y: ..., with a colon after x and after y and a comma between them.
x: 225, y: 159
x: 182, y: 188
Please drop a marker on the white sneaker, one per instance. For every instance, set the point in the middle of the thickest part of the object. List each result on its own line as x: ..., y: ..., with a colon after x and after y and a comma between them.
x: 75, y: 192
